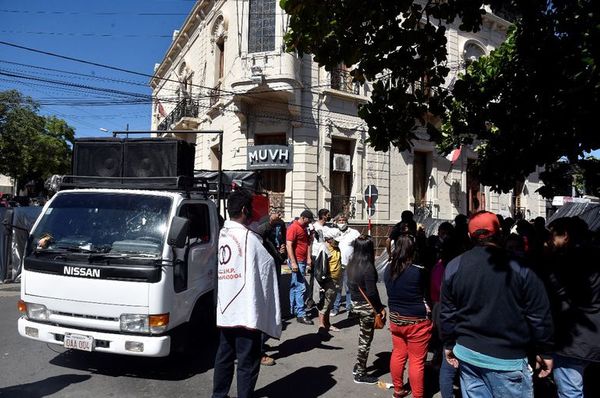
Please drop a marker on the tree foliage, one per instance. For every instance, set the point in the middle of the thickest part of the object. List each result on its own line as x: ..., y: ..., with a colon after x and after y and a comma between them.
x: 528, y: 104
x: 562, y: 176
x: 32, y: 147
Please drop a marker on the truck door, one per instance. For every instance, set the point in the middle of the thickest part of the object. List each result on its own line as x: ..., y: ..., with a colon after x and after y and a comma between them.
x: 195, y: 268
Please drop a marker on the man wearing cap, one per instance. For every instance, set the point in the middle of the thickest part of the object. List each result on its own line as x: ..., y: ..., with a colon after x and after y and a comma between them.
x: 299, y: 260
x: 493, y: 312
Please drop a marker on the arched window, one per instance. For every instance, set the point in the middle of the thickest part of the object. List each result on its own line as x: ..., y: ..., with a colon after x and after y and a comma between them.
x: 261, y: 26
x: 472, y: 52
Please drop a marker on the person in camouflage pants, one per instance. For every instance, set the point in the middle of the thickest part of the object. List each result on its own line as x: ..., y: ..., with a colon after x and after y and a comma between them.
x: 365, y: 335
x: 362, y: 283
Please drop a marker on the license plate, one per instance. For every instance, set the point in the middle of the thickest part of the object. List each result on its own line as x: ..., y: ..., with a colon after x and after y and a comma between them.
x: 79, y: 342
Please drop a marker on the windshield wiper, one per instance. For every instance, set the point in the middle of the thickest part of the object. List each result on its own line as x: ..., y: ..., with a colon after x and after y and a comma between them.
x: 70, y: 249
x: 74, y: 249
x: 106, y: 256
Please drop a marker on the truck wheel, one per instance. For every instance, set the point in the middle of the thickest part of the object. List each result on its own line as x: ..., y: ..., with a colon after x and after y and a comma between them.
x: 199, y: 334
x: 203, y: 321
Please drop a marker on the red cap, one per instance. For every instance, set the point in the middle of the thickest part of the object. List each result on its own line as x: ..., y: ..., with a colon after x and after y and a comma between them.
x: 486, y: 221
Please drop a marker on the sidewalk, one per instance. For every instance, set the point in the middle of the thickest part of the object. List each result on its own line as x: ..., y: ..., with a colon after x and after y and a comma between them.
x: 10, y: 289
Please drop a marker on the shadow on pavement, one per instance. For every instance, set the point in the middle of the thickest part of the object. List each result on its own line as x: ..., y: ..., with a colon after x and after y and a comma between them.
x: 42, y: 388
x: 174, y: 367
x: 381, y: 364
x: 345, y: 323
x: 301, y: 344
x: 306, y: 382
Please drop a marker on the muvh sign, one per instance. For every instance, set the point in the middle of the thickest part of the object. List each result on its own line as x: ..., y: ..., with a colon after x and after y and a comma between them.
x: 270, y: 157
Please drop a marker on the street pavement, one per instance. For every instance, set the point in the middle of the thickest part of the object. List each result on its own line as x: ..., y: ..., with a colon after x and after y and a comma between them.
x: 306, y: 367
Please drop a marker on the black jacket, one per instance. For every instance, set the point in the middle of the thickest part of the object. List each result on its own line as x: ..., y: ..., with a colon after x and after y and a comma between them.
x: 574, y: 290
x: 493, y: 305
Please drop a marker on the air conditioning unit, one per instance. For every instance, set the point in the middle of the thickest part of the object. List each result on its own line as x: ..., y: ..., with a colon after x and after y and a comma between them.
x: 341, y: 162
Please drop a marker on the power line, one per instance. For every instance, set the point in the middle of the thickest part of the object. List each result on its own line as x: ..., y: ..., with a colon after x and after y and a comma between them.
x: 107, y: 13
x: 140, y: 99
x: 76, y: 34
x: 247, y: 95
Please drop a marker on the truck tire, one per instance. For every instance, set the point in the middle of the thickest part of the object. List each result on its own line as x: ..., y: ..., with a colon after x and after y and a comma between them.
x: 204, y: 318
x: 200, y: 332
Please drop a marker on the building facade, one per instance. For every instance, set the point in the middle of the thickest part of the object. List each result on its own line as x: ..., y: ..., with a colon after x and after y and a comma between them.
x: 226, y: 70
x: 6, y: 184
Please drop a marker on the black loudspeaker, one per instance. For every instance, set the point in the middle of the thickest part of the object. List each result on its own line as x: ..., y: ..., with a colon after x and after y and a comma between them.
x: 98, y: 157
x: 158, y: 157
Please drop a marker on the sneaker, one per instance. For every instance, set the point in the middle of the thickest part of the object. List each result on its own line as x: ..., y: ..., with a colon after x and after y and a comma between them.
x: 333, y: 313
x: 365, y: 379
x: 305, y: 320
x: 355, y: 369
x: 267, y: 361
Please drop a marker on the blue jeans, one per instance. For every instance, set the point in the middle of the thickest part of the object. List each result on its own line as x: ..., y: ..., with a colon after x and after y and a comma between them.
x: 245, y: 345
x: 568, y: 376
x: 446, y: 380
x: 338, y: 298
x: 476, y: 382
x: 297, y: 290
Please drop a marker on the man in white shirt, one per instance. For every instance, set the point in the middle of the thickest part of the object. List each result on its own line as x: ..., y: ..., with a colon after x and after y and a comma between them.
x: 346, y: 237
x: 248, y: 304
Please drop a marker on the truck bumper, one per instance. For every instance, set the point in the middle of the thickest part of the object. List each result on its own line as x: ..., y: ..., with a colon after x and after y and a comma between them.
x: 146, y: 346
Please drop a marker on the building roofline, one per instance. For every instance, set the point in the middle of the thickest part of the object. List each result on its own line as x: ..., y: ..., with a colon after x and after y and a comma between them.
x: 197, y: 12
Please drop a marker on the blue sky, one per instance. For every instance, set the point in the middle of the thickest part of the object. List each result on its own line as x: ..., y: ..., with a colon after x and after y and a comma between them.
x: 127, y: 34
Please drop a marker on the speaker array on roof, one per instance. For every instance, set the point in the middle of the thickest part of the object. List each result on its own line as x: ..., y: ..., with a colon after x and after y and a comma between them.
x: 133, y: 157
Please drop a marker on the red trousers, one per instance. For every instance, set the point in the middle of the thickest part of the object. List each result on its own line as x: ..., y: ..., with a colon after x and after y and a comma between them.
x: 410, y: 342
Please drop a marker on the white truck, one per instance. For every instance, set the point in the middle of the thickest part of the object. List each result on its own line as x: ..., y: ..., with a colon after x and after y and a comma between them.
x: 124, y: 271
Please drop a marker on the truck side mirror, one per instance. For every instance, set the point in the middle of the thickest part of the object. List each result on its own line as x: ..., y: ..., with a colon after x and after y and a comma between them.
x: 178, y: 232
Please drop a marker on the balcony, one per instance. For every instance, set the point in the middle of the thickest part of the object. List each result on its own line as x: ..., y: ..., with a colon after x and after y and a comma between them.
x: 341, y: 80
x: 186, y: 108
x: 343, y: 204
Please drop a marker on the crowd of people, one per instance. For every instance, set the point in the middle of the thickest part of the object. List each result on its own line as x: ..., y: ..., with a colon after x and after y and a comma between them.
x: 502, y: 305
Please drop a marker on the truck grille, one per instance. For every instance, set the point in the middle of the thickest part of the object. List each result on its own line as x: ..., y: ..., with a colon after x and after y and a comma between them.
x: 85, y: 316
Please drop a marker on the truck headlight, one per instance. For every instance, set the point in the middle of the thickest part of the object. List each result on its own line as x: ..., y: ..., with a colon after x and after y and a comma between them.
x: 37, y: 312
x: 148, y: 324
x: 134, y: 323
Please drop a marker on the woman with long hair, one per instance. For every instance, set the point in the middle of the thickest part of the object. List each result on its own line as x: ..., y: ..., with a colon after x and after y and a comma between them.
x: 362, y: 283
x: 410, y: 316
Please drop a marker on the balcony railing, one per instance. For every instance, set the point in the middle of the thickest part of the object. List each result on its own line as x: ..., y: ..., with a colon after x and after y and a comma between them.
x: 423, y: 210
x: 185, y: 108
x: 341, y: 79
x: 343, y: 204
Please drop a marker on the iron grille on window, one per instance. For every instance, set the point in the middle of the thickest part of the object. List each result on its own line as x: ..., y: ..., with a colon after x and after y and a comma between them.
x: 520, y: 213
x: 423, y: 209
x: 185, y: 108
x: 343, y: 204
x: 261, y: 29
x: 341, y: 79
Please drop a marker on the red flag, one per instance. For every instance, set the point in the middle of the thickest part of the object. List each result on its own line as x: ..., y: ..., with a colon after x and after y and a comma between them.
x: 160, y: 109
x: 454, y: 155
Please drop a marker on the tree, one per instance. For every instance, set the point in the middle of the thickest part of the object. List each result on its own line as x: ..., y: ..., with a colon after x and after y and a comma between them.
x: 562, y: 176
x: 32, y: 147
x: 528, y: 104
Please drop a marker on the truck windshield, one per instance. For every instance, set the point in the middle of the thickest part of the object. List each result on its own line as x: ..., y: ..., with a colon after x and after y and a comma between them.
x: 101, y: 222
